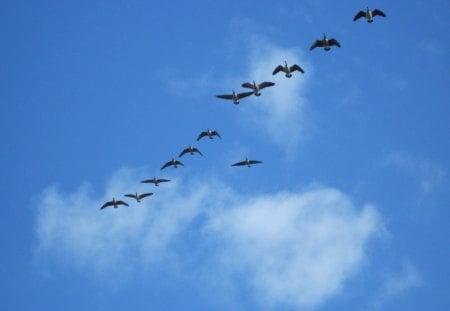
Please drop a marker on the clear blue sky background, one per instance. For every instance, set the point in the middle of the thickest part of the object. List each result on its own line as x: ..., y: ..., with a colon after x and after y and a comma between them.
x: 349, y: 210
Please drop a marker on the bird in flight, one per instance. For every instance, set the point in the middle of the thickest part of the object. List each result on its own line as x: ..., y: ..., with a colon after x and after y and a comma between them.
x: 325, y: 43
x: 113, y: 203
x: 155, y: 181
x: 246, y: 162
x: 138, y: 197
x: 191, y: 150
x: 287, y: 70
x: 173, y: 163
x: 235, y: 96
x: 257, y: 87
x: 369, y: 14
x: 209, y: 133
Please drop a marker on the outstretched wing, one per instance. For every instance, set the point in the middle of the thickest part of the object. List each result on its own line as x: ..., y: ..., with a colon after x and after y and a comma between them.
x: 149, y: 181
x: 378, y: 12
x: 162, y: 180
x: 254, y: 161
x: 141, y: 196
x: 334, y: 42
x: 244, y: 94
x: 184, y: 152
x: 248, y: 85
x: 278, y: 69
x: 121, y: 203
x: 296, y: 67
x: 131, y: 196
x: 198, y: 151
x: 215, y: 133
x: 166, y: 165
x: 109, y: 203
x: 359, y: 15
x: 226, y: 96
x: 265, y: 84
x: 202, y: 134
x: 239, y: 163
x: 317, y: 43
x: 178, y: 163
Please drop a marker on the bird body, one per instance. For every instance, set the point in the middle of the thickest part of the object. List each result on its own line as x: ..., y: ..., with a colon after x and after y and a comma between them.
x: 246, y: 162
x: 235, y: 96
x: 113, y: 203
x: 173, y: 162
x: 209, y: 133
x: 325, y: 43
x: 287, y: 70
x: 191, y: 150
x: 368, y: 14
x: 138, y: 197
x: 155, y: 181
x: 257, y: 87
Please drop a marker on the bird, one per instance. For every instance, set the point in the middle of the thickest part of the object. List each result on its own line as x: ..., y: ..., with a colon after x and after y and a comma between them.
x: 173, y: 163
x: 155, y: 181
x: 257, y: 87
x: 137, y: 196
x: 190, y: 150
x: 235, y: 96
x: 113, y: 203
x: 369, y: 14
x: 246, y: 162
x: 287, y: 70
x: 325, y: 43
x: 209, y: 133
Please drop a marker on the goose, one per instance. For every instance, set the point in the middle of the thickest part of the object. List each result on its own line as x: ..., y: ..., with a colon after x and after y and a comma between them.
x: 257, y: 87
x: 173, y: 163
x: 155, y: 181
x: 209, y: 133
x: 137, y: 196
x: 246, y: 162
x: 113, y: 203
x: 190, y: 150
x: 287, y: 70
x: 235, y: 96
x: 325, y: 43
x: 369, y: 14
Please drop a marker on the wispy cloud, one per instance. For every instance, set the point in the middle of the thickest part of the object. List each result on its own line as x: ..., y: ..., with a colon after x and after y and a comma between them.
x: 295, y: 248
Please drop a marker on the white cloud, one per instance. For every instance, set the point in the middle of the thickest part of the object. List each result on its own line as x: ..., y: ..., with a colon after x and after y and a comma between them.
x: 294, y: 248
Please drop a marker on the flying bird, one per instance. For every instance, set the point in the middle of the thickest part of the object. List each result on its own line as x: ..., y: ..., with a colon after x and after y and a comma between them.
x: 325, y: 43
x: 209, y: 133
x: 287, y: 70
x: 257, y: 87
x: 173, y: 163
x: 113, y: 203
x: 190, y: 150
x: 246, y: 162
x: 235, y: 96
x: 155, y: 181
x: 138, y: 197
x: 369, y: 14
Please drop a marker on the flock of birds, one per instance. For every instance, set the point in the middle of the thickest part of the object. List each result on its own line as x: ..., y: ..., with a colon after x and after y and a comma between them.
x: 325, y: 43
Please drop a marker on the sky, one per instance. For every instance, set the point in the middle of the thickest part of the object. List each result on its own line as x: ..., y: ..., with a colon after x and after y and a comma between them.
x: 348, y: 211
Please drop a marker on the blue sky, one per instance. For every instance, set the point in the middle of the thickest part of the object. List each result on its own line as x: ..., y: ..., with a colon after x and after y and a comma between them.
x: 348, y: 211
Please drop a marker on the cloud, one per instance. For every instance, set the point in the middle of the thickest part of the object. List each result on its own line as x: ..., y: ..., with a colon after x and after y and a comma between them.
x: 295, y: 248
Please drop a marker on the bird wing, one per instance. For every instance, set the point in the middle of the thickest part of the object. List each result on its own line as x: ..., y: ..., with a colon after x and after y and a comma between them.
x: 265, y: 84
x: 226, y: 96
x: 109, y: 203
x: 359, y: 15
x: 186, y: 150
x: 148, y: 181
x: 297, y: 67
x: 196, y: 150
x: 145, y: 195
x: 317, y: 43
x: 166, y: 165
x: 248, y: 85
x: 121, y: 203
x: 278, y: 69
x: 378, y: 12
x: 202, y: 134
x: 254, y: 161
x: 244, y: 94
x: 216, y: 134
x: 333, y: 41
x: 178, y: 163
x: 163, y: 180
x: 131, y: 196
x: 239, y: 163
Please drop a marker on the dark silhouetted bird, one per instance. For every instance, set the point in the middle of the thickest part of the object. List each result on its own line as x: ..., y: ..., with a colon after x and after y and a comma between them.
x: 138, y: 197
x: 257, y: 87
x: 246, y: 162
x: 209, y: 133
x: 287, y: 70
x: 113, y: 203
x: 155, y: 181
x: 173, y: 163
x: 190, y: 150
x: 235, y: 96
x: 369, y: 14
x: 325, y: 43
